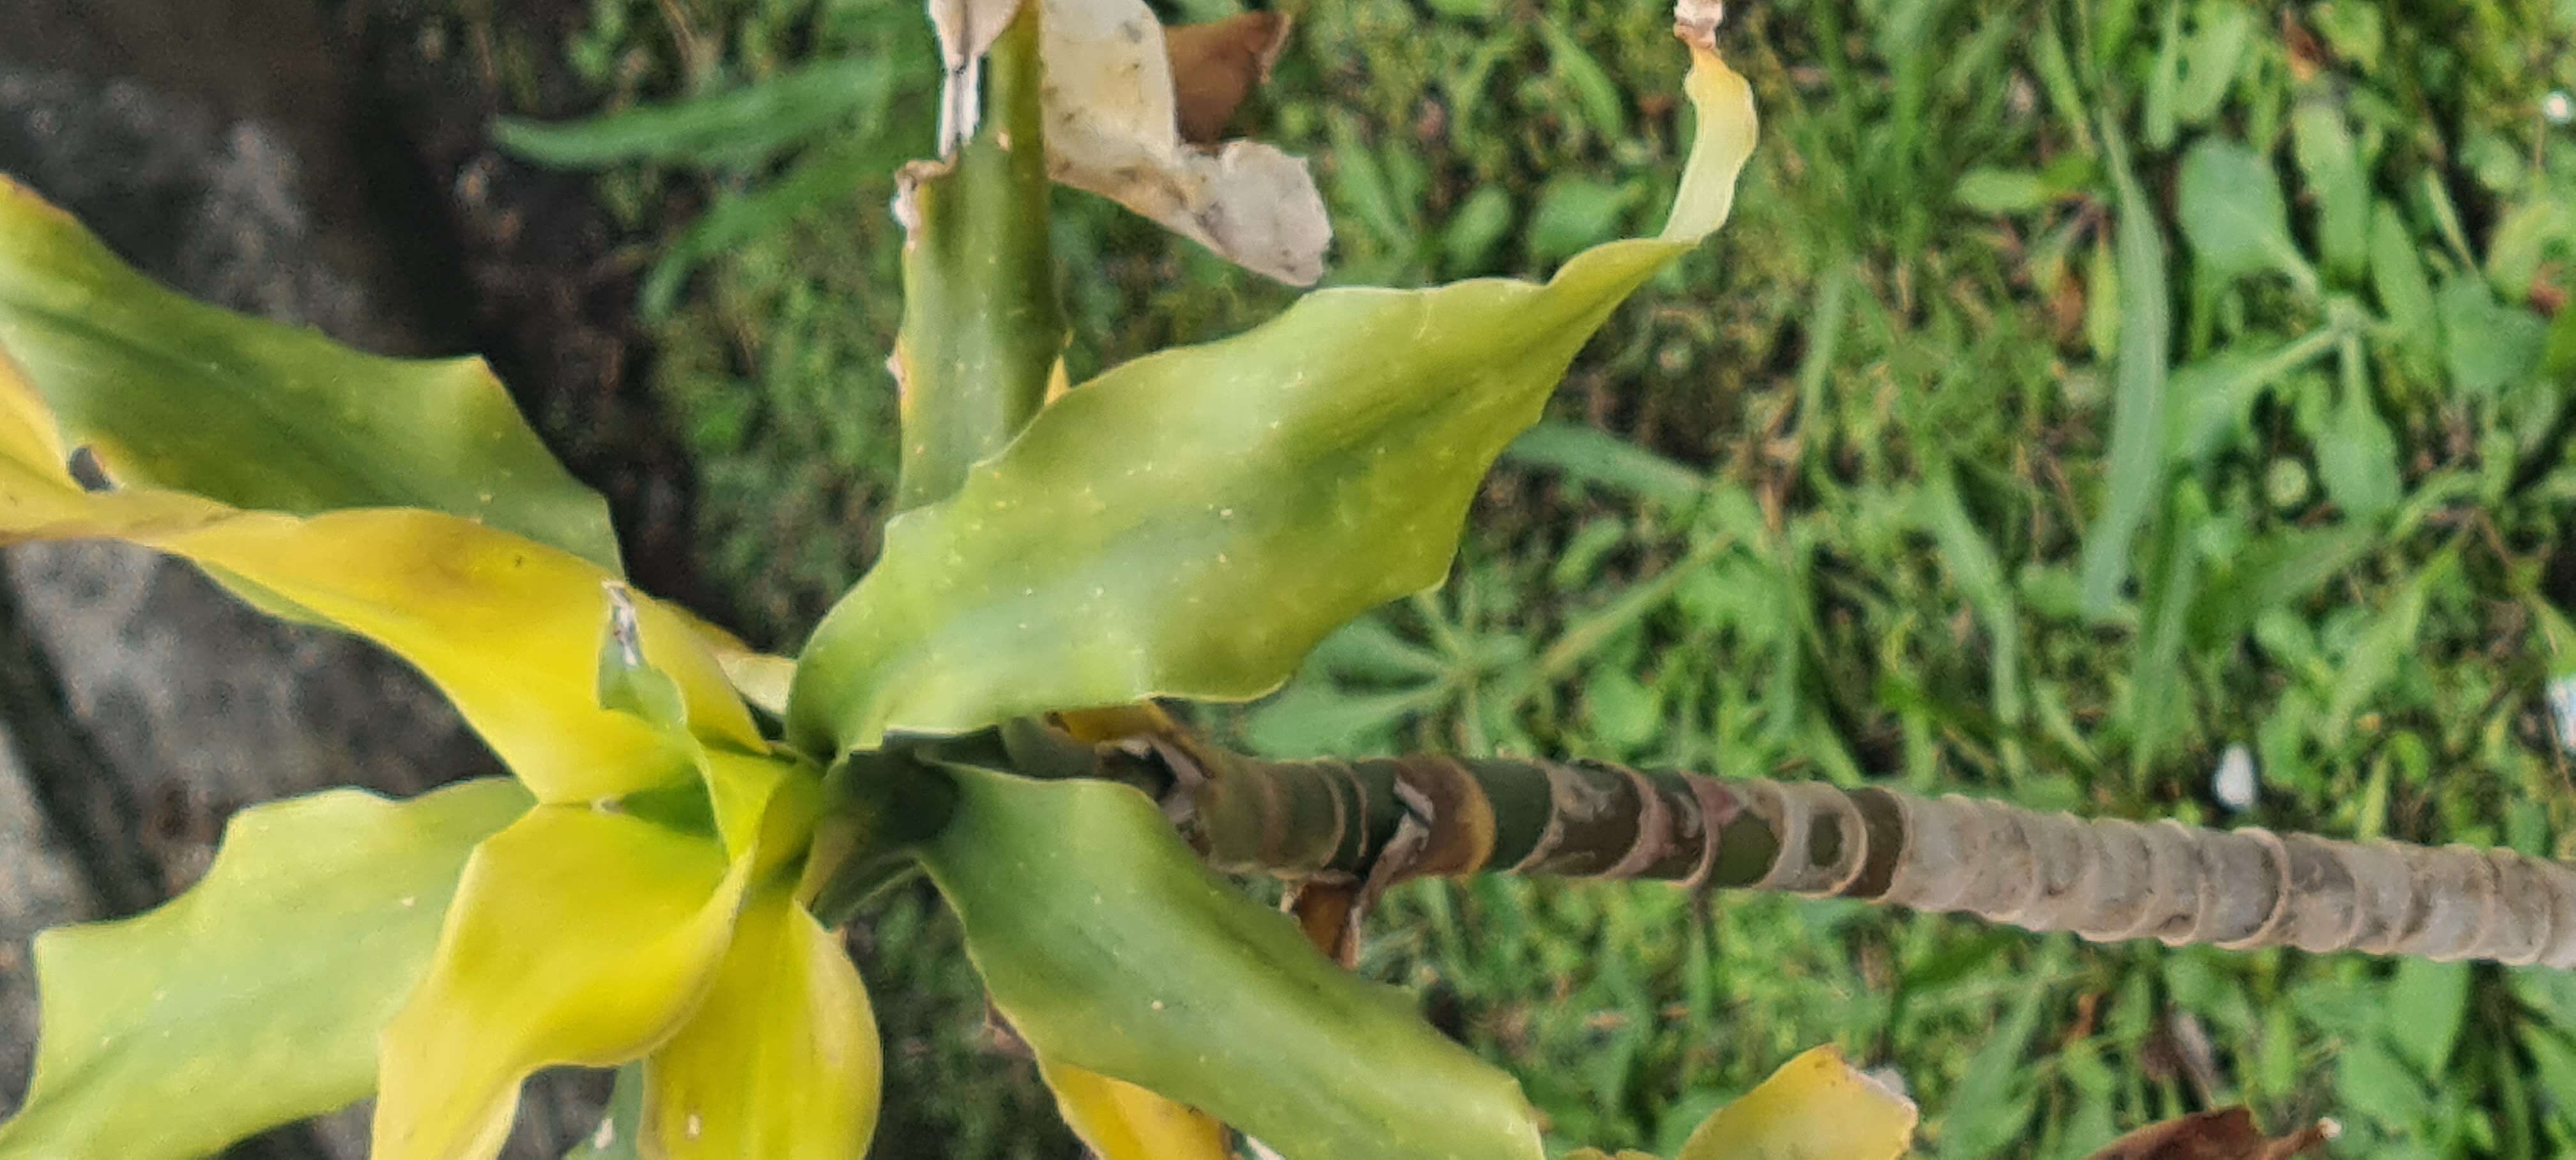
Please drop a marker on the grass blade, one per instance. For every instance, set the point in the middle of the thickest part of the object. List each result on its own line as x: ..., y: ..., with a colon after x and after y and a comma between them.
x: 2138, y: 410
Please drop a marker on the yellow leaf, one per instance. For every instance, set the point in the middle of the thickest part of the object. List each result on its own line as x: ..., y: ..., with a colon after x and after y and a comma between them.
x: 1816, y: 1107
x: 292, y: 951
x: 27, y: 433
x: 1121, y: 1121
x: 764, y: 805
x: 781, y: 1060
x: 578, y: 936
x: 508, y: 628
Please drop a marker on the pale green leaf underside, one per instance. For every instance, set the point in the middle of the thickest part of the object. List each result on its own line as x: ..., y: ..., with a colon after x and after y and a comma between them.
x: 177, y: 394
x: 254, y: 998
x: 1191, y: 523
x: 1111, y: 948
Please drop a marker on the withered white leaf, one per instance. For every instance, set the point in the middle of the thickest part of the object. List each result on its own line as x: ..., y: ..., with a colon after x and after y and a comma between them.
x: 1113, y: 128
x: 967, y: 29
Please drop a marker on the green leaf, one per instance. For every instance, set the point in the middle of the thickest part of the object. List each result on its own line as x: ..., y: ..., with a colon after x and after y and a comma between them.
x: 2517, y: 245
x: 2164, y: 83
x: 1816, y: 1107
x: 173, y: 393
x: 1594, y: 91
x: 2383, y: 647
x: 2211, y: 401
x: 2157, y: 680
x: 2137, y: 473
x: 2491, y: 345
x: 2001, y: 191
x: 1971, y: 561
x: 2558, y: 348
x: 2427, y: 1002
x: 2277, y: 570
x: 1576, y: 212
x: 981, y: 325
x: 2211, y: 59
x: 508, y: 629
x: 742, y: 123
x: 830, y: 171
x: 2397, y: 278
x: 254, y: 998
x: 2229, y: 203
x: 1476, y: 226
x: 2357, y: 457
x: 1111, y: 948
x: 1596, y: 456
x: 2324, y: 147
x: 578, y: 936
x: 780, y: 1061
x: 1189, y: 524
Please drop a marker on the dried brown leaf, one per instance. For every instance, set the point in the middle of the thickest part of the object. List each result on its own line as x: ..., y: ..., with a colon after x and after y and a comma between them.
x: 1216, y: 64
x: 1329, y: 913
x: 2224, y: 1134
x: 1114, y: 122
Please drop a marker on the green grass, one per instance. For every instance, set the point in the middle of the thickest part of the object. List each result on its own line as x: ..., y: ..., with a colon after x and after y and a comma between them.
x: 1895, y: 494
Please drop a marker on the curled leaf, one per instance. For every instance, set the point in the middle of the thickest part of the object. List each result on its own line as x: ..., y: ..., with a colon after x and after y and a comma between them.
x: 177, y: 394
x: 1115, y: 126
x: 1111, y: 948
x: 1816, y: 1107
x: 578, y: 936
x: 1120, y: 1121
x: 508, y: 628
x: 298, y: 945
x: 780, y: 1061
x: 1191, y: 523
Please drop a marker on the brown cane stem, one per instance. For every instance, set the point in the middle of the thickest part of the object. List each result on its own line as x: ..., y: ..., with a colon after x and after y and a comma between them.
x: 1386, y: 820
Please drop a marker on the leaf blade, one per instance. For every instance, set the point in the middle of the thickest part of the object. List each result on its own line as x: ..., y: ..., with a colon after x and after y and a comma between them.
x: 1111, y: 948
x: 2137, y: 421
x: 1075, y: 570
x: 178, y: 394
x: 355, y: 882
x: 1816, y: 1107
x: 780, y: 1060
x: 739, y: 123
x: 1119, y: 1121
x: 550, y: 956
x: 507, y: 628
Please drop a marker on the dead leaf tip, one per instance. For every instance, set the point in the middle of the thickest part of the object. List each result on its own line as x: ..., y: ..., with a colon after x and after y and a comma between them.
x: 1696, y: 21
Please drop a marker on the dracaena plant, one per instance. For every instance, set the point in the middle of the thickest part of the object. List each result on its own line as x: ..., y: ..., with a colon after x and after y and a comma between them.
x: 655, y: 887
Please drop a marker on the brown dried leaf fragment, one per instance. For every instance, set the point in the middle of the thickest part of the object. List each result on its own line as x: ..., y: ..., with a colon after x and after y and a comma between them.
x: 2223, y: 1134
x: 1330, y: 914
x: 1114, y: 128
x: 1217, y: 64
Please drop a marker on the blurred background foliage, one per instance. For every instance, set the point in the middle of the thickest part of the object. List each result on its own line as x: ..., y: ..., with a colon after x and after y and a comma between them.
x: 1883, y: 483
